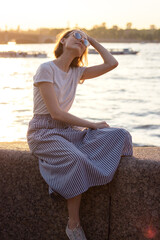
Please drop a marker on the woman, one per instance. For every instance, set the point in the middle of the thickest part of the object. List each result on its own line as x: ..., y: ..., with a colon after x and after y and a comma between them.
x: 71, y: 159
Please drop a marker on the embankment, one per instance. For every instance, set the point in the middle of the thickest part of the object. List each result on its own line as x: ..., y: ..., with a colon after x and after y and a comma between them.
x: 128, y: 208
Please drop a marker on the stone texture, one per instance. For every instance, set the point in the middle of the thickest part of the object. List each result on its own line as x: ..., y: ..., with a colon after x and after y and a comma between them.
x: 27, y: 212
x: 135, y: 197
x: 126, y: 209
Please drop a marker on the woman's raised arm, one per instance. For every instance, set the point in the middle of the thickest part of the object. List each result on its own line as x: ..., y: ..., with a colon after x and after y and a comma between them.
x: 109, y: 61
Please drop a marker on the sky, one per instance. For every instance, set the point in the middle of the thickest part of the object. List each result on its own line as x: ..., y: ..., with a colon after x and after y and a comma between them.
x: 33, y: 14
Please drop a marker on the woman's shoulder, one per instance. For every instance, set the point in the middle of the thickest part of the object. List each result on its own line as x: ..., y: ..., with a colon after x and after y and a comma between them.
x: 46, y: 65
x: 78, y: 71
x: 44, y: 70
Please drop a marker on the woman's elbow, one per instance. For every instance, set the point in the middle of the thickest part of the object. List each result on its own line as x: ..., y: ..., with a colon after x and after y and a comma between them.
x: 111, y: 65
x: 57, y: 115
x: 115, y: 64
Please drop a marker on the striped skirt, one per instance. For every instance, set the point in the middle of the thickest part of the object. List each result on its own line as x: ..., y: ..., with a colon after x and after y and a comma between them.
x: 71, y: 160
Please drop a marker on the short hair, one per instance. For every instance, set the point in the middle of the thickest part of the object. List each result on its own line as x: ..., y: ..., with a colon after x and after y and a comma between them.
x: 58, y: 50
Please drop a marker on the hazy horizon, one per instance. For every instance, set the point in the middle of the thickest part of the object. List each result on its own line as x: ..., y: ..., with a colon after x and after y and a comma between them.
x: 67, y: 13
x: 19, y: 28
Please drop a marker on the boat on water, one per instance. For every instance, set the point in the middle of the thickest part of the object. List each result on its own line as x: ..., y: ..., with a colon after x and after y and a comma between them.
x: 114, y: 51
x: 123, y: 51
x: 21, y: 54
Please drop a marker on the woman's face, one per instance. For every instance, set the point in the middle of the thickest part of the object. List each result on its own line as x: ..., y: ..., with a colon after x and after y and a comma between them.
x: 77, y: 46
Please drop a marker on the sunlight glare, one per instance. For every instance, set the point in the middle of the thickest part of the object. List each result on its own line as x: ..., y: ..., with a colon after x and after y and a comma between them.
x: 149, y: 232
x: 12, y: 42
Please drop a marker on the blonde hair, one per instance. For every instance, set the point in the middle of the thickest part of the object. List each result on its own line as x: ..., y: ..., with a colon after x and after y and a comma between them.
x: 58, y: 50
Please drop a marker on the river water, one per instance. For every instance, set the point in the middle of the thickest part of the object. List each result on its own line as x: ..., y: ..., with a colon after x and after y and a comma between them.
x: 127, y: 97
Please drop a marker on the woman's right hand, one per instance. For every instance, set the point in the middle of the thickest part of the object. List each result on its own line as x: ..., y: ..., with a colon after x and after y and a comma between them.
x: 102, y: 124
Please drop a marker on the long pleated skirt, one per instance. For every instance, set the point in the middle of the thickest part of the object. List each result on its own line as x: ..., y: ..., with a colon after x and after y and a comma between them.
x: 71, y: 160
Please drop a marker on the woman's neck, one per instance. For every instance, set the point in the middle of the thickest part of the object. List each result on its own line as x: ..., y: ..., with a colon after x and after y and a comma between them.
x: 64, y: 61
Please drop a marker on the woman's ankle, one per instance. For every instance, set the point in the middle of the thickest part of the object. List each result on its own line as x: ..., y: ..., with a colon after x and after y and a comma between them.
x: 73, y: 223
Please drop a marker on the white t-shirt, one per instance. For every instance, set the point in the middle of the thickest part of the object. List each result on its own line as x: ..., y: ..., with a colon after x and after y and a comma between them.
x: 65, y: 85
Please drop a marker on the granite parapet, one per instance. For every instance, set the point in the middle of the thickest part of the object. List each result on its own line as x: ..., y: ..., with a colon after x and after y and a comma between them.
x: 128, y: 208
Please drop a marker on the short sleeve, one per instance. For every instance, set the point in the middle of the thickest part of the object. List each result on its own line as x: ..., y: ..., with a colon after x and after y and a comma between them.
x: 44, y: 74
x: 80, y: 73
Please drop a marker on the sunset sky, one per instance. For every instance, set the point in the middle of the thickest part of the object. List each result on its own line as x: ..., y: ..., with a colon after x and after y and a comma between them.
x: 33, y: 14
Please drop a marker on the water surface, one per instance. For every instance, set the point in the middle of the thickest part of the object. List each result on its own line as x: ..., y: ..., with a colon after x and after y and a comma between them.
x: 127, y: 97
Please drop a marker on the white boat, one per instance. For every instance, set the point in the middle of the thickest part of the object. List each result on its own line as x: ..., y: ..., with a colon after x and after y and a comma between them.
x: 123, y: 51
x: 114, y: 51
x: 21, y: 54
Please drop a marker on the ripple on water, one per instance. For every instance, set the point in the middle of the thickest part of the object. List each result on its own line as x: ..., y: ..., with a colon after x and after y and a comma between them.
x: 21, y: 110
x: 147, y: 126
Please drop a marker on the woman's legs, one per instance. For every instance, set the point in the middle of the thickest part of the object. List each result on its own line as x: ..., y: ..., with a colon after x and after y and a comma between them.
x: 73, y: 205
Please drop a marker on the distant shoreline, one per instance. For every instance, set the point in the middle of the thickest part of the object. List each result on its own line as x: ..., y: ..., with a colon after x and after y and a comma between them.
x: 99, y: 40
x: 101, y: 33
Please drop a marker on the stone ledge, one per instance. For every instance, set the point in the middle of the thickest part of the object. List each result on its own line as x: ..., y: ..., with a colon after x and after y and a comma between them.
x: 135, y: 197
x: 27, y: 211
x: 20, y: 146
x: 121, y: 210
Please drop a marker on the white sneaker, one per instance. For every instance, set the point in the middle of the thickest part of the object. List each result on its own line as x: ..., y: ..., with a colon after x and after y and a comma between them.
x: 76, y: 234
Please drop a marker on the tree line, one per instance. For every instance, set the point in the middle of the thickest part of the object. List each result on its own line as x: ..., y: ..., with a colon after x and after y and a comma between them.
x: 116, y: 34
x: 100, y: 32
